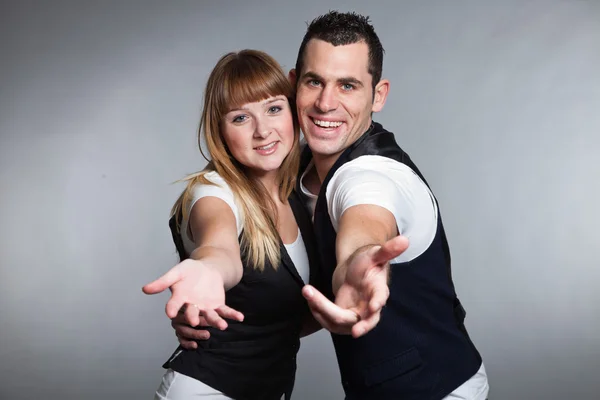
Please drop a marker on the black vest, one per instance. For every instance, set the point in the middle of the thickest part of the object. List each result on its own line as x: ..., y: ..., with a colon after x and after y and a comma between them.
x: 255, y: 359
x: 420, y: 349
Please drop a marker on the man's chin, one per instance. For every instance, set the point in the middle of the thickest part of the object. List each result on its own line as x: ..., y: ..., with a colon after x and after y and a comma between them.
x: 323, y: 148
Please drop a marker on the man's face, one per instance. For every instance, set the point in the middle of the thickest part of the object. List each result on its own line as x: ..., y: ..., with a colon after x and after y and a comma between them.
x: 335, y: 96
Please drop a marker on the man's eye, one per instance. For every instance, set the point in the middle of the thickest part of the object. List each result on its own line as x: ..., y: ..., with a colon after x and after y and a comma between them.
x: 347, y: 86
x: 314, y: 82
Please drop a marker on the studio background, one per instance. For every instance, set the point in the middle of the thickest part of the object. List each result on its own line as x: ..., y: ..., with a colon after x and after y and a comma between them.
x: 498, y: 102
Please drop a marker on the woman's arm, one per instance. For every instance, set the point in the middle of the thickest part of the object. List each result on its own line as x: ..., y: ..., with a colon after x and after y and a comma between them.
x: 213, y: 267
x: 214, y: 231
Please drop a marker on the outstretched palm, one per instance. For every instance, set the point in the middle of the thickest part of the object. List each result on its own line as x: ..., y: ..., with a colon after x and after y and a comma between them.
x: 361, y: 289
x: 198, y: 290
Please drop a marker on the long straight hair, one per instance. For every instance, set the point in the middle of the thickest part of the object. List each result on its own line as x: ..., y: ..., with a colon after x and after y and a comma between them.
x: 239, y: 78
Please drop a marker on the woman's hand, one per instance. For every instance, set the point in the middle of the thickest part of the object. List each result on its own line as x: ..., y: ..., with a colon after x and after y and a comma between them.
x: 200, y: 288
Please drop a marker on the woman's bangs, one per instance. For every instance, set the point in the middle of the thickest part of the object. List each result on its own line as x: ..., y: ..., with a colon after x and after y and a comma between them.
x: 252, y: 83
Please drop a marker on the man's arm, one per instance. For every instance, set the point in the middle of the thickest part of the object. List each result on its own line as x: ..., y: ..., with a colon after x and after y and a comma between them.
x: 362, y: 293
x: 361, y: 227
x: 367, y: 240
x: 364, y: 205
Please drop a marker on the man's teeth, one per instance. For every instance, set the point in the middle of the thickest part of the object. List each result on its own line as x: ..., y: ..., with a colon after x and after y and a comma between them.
x: 267, y: 147
x: 327, y: 124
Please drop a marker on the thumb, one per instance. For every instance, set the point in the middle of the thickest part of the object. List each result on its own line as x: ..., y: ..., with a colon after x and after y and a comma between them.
x: 162, y: 283
x: 390, y: 249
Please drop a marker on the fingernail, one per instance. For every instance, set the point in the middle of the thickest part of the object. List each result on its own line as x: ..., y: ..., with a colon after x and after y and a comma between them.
x: 309, y: 292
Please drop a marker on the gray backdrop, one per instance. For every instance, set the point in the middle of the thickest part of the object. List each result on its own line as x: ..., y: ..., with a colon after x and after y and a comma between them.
x: 498, y: 102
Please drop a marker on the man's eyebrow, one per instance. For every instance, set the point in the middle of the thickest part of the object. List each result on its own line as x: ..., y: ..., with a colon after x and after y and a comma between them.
x: 350, y: 80
x: 342, y: 80
x: 312, y: 75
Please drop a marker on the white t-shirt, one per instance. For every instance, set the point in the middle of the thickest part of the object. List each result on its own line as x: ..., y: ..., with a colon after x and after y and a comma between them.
x: 389, y: 184
x: 396, y: 187
x: 221, y: 190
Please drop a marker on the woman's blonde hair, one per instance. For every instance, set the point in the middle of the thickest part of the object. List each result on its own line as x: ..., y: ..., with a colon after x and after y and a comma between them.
x: 239, y: 78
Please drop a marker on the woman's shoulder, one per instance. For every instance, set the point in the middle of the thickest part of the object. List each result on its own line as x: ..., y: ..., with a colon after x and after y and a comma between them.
x: 211, y: 181
x: 215, y: 178
x: 214, y: 185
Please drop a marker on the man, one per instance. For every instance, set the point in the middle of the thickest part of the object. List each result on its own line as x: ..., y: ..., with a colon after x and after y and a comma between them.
x: 364, y: 191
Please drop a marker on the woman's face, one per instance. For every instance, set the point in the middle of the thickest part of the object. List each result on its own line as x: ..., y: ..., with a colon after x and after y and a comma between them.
x: 260, y: 134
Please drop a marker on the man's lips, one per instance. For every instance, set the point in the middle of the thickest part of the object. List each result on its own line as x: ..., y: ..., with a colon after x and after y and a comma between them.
x: 326, y: 123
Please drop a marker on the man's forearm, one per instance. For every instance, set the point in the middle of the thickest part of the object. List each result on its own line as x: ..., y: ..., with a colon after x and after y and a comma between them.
x: 361, y: 228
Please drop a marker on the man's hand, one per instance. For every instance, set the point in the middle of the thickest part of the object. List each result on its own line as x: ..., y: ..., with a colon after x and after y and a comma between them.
x: 361, y: 290
x: 199, y: 287
x: 331, y: 316
x: 187, y: 335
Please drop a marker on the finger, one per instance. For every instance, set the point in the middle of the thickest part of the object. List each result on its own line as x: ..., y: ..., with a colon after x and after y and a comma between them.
x: 187, y: 344
x: 379, y: 297
x: 364, y: 326
x: 324, y: 323
x: 173, y: 306
x: 186, y: 332
x: 213, y: 319
x: 230, y: 313
x: 202, y: 321
x: 334, y: 314
x: 167, y: 280
x: 192, y: 314
x: 390, y: 250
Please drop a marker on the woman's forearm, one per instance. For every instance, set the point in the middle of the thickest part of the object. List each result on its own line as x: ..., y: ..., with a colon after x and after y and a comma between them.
x: 229, y: 266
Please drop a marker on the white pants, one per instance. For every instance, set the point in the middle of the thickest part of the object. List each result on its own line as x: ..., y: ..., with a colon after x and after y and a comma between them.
x: 476, y: 388
x: 176, y: 386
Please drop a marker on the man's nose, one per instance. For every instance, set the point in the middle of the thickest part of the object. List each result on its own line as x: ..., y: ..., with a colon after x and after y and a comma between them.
x: 327, y: 100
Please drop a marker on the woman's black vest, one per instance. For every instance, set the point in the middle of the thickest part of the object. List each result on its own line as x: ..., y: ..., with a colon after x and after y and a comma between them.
x: 255, y: 359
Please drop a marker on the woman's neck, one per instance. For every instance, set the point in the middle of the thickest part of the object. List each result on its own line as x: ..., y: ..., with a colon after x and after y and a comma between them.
x: 270, y: 182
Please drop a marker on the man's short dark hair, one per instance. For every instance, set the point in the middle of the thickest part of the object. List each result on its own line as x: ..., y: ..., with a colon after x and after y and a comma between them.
x: 341, y: 29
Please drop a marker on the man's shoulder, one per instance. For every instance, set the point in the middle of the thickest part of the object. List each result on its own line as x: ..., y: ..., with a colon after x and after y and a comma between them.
x: 371, y: 162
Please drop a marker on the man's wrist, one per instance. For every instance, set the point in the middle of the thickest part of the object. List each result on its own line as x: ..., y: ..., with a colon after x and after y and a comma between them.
x: 339, y: 275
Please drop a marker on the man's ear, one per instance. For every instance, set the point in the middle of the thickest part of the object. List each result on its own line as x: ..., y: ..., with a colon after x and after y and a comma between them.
x: 292, y: 77
x: 380, y: 96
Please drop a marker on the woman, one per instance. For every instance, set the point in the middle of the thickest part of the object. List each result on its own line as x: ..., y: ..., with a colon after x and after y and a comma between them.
x: 240, y: 225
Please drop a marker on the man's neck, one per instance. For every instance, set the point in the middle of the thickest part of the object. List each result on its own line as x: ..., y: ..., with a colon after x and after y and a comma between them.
x: 323, y: 165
